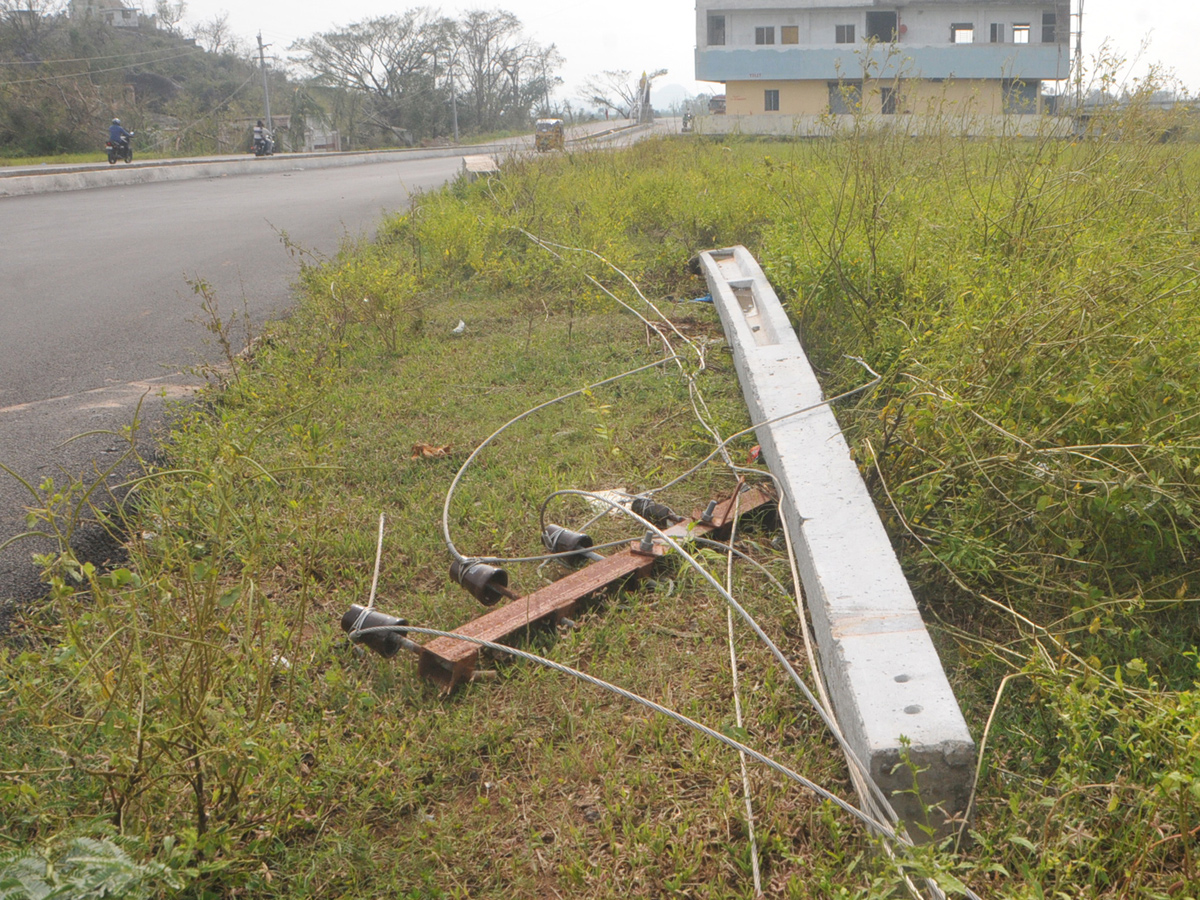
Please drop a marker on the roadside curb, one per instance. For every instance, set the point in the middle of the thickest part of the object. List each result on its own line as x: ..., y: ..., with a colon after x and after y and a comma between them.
x: 151, y: 172
x: 95, y: 175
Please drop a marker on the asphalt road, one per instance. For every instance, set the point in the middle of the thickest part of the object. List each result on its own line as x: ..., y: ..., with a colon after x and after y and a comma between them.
x: 97, y: 315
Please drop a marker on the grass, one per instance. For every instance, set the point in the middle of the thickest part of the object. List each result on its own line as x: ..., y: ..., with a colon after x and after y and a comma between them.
x: 1032, y: 449
x: 59, y: 159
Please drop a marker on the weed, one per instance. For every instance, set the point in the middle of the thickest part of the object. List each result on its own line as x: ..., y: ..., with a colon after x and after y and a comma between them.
x: 1032, y: 447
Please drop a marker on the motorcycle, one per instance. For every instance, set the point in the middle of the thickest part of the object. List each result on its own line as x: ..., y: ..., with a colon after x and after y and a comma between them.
x: 119, y: 150
x: 264, y: 146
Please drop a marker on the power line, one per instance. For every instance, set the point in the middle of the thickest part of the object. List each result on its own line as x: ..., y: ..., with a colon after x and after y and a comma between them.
x: 45, y: 62
x: 89, y: 72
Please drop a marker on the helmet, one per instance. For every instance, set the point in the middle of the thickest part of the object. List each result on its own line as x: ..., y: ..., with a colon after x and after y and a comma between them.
x: 116, y: 121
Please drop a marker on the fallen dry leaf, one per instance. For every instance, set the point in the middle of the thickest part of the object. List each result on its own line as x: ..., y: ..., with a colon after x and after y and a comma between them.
x: 429, y: 451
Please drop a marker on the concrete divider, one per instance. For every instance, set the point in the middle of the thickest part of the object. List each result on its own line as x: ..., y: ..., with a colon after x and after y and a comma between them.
x: 886, y: 682
x: 22, y: 181
x: 76, y: 178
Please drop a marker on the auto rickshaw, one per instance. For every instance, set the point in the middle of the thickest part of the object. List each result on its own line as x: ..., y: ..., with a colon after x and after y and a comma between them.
x: 548, y: 135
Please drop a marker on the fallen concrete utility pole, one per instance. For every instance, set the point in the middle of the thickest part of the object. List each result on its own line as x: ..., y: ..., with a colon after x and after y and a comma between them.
x: 885, y: 680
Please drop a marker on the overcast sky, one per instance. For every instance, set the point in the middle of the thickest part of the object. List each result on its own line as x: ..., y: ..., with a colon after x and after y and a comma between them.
x: 599, y: 35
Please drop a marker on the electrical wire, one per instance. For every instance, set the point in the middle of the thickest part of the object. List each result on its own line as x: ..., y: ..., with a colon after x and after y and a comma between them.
x: 737, y: 707
x: 495, y: 434
x: 889, y: 832
x: 868, y: 789
x: 826, y: 715
x: 694, y: 394
x: 474, y: 453
x: 862, y: 779
x: 378, y: 559
x: 745, y: 557
x: 881, y: 829
x: 552, y: 247
x: 780, y: 418
x: 876, y: 827
x: 91, y: 72
x: 192, y: 124
x: 84, y: 59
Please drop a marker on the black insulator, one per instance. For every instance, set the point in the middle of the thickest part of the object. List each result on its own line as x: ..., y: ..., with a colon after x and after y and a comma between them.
x: 482, y: 581
x: 385, y: 643
x: 562, y: 540
x: 654, y: 512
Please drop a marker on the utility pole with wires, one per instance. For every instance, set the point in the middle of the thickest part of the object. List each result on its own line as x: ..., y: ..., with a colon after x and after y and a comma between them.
x: 453, y: 98
x: 262, y: 59
x: 1077, y: 22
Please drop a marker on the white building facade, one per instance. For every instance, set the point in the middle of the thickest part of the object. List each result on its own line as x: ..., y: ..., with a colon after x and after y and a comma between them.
x: 111, y: 12
x: 808, y: 58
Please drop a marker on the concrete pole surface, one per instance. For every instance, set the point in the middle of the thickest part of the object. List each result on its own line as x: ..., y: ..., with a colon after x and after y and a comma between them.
x: 885, y: 680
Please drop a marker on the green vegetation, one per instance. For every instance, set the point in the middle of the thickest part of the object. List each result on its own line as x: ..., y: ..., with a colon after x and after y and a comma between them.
x: 62, y: 80
x: 1034, y: 448
x: 58, y: 159
x: 380, y: 82
x: 425, y: 74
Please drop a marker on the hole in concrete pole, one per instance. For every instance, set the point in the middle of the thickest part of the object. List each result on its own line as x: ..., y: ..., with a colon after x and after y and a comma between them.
x: 912, y: 710
x: 903, y: 678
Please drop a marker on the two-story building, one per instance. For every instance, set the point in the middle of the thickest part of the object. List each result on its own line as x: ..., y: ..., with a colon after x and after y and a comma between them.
x: 806, y: 58
x: 116, y: 13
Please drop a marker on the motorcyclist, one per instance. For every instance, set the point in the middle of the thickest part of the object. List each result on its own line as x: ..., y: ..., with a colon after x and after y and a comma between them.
x: 118, y: 135
x: 260, y: 136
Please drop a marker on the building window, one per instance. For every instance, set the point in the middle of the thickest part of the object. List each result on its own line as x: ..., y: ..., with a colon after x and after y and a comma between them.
x: 789, y: 34
x: 771, y: 101
x: 764, y: 35
x: 962, y: 33
x: 997, y: 33
x: 881, y: 26
x: 845, y: 97
x: 1049, y: 28
x: 1021, y: 97
x: 716, y: 31
x: 887, y: 101
x: 844, y: 34
x: 1020, y: 33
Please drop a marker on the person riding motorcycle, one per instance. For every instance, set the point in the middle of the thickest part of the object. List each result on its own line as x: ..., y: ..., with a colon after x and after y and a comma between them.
x: 118, y: 135
x: 260, y: 144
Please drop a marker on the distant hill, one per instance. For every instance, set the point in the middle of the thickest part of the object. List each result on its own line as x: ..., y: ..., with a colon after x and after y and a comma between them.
x: 668, y: 95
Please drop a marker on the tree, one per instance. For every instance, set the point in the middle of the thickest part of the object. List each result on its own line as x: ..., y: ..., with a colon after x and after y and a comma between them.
x: 389, y: 58
x: 169, y: 15
x: 27, y: 22
x: 61, y: 90
x: 503, y: 74
x: 618, y: 90
x: 422, y: 73
x: 216, y: 35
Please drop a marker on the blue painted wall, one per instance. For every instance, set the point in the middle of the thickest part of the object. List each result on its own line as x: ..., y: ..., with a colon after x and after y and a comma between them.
x: 1032, y: 62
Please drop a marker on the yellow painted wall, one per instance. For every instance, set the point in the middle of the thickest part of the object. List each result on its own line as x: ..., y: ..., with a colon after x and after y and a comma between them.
x: 982, y: 97
x: 811, y: 98
x: 796, y: 98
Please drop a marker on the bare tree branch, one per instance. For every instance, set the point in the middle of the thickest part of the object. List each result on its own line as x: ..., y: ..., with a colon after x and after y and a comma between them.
x: 618, y: 90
